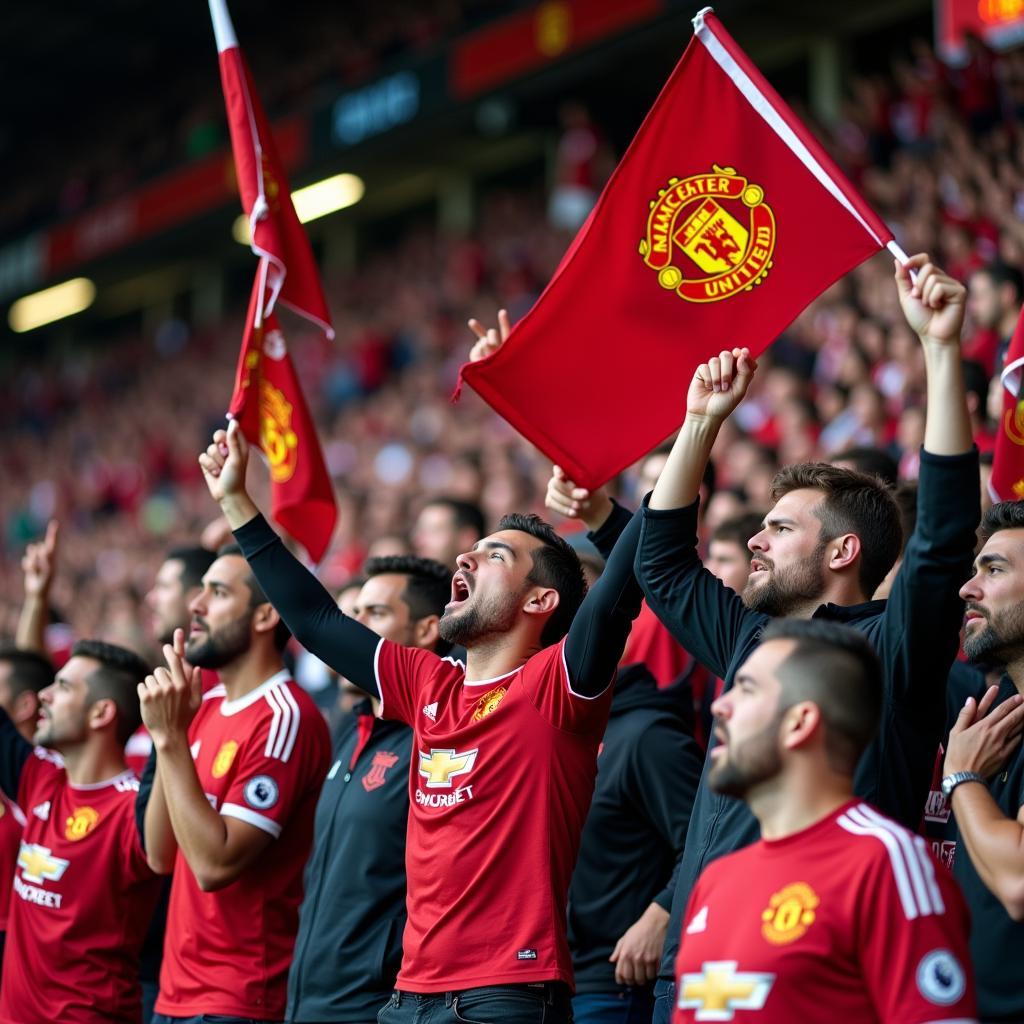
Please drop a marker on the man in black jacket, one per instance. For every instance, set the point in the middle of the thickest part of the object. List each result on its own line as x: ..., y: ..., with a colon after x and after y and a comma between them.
x: 349, y: 945
x: 647, y: 773
x: 826, y: 545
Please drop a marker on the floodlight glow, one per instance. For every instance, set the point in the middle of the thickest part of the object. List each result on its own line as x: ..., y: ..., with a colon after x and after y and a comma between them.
x: 51, y: 304
x: 313, y: 201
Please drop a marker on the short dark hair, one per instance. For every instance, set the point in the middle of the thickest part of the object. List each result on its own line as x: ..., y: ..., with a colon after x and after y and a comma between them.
x: 872, y: 461
x: 1002, y: 273
x: 739, y: 529
x: 555, y: 564
x: 428, y: 585
x: 30, y: 670
x: 835, y: 667
x: 1004, y: 515
x: 464, y: 513
x: 852, y: 503
x: 194, y: 563
x: 282, y: 634
x: 116, y: 679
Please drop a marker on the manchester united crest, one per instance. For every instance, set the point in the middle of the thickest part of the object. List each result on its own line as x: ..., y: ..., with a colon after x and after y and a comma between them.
x: 709, y: 236
x: 80, y: 823
x: 488, y: 703
x: 224, y: 759
x: 790, y: 912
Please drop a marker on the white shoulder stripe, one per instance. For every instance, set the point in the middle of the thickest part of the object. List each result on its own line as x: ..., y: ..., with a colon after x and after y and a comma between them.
x: 857, y: 826
x: 913, y: 859
x: 296, y: 716
x: 928, y: 869
x: 275, y: 725
x: 282, y: 714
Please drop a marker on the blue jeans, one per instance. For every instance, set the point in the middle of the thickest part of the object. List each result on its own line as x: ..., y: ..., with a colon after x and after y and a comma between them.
x: 664, y: 1001
x: 545, y: 1003
x: 208, y: 1018
x: 631, y: 1006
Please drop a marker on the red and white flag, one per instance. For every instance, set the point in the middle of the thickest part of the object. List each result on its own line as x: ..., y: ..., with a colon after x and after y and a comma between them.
x: 723, y: 220
x: 268, y: 401
x: 1007, y: 480
x: 275, y: 231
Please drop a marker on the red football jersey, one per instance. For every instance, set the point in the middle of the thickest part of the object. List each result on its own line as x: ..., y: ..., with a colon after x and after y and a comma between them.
x: 261, y: 759
x: 12, y: 821
x: 82, y: 900
x: 851, y: 919
x: 501, y: 780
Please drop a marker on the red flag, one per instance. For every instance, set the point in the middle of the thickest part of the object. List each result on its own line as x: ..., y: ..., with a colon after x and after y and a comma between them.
x: 723, y: 220
x: 272, y: 413
x: 1007, y: 480
x: 277, y: 235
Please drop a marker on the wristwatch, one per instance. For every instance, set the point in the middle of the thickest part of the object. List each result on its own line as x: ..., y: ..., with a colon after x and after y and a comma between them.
x: 950, y: 782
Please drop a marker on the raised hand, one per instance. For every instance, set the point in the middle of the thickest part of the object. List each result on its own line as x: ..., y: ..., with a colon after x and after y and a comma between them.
x: 934, y: 303
x: 565, y: 498
x: 171, y: 695
x: 489, y: 339
x: 224, y: 463
x: 39, y: 562
x: 719, y: 385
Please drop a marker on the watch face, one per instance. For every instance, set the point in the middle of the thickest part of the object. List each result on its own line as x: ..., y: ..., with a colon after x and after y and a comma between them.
x: 947, y: 785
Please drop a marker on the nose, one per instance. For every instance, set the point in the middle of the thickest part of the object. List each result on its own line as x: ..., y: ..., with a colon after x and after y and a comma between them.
x: 758, y: 542
x: 197, y: 604
x: 971, y: 590
x: 46, y: 694
x: 467, y: 560
x: 721, y: 707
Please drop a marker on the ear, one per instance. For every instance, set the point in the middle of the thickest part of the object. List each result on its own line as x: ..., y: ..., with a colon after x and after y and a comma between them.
x: 26, y: 707
x: 265, y: 618
x: 426, y: 631
x: 541, y: 601
x: 800, y: 725
x: 103, y: 713
x: 843, y: 551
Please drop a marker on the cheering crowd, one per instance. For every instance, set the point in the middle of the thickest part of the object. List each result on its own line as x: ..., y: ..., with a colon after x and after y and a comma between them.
x: 747, y: 746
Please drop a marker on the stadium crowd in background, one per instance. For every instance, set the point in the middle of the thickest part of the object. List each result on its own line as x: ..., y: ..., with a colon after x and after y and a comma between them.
x: 497, y: 679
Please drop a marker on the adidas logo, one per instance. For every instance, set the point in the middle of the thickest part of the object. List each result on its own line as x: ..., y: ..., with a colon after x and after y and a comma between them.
x: 42, y: 811
x: 430, y: 710
x: 699, y: 922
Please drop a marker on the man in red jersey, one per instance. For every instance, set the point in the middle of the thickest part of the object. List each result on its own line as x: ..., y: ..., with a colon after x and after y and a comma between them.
x: 83, y: 892
x: 505, y: 748
x: 837, y: 912
x: 238, y: 771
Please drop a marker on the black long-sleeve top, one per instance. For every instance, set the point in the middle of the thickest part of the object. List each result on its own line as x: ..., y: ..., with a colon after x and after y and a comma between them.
x: 915, y: 634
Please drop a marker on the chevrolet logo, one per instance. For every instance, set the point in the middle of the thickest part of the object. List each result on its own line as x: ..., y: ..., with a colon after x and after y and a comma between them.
x: 719, y: 990
x: 37, y: 864
x: 439, y: 767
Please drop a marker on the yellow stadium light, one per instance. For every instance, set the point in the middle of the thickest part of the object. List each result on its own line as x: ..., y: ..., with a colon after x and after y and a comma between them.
x: 313, y: 201
x: 51, y: 304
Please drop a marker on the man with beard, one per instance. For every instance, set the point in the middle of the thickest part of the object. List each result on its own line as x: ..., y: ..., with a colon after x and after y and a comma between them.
x: 238, y: 771
x: 983, y: 772
x: 837, y: 911
x: 505, y: 748
x: 827, y: 543
x: 82, y: 890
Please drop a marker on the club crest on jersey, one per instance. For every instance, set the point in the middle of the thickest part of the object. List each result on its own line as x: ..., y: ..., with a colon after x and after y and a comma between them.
x: 719, y: 990
x: 261, y: 792
x: 39, y: 865
x: 488, y: 703
x: 377, y: 775
x: 790, y: 912
x: 80, y: 823
x: 709, y: 236
x: 439, y: 767
x: 224, y: 759
x: 940, y: 978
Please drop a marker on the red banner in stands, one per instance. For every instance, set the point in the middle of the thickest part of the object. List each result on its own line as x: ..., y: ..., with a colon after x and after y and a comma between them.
x: 528, y: 41
x: 1007, y: 480
x: 723, y: 220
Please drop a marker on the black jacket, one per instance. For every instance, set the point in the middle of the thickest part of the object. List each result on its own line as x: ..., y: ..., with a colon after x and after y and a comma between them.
x: 916, y: 634
x: 647, y: 773
x: 349, y: 944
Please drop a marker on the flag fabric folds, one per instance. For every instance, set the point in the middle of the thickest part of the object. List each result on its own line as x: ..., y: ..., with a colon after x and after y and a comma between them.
x: 271, y: 411
x: 1007, y: 480
x: 723, y: 220
x: 267, y: 400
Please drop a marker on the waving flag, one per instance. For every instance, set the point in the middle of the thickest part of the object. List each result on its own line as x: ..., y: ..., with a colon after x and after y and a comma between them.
x: 723, y: 220
x: 268, y: 401
x: 1007, y: 480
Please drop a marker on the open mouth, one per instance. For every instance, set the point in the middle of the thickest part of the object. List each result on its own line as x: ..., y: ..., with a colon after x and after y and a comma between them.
x: 460, y: 590
x: 196, y: 627
x: 973, y: 616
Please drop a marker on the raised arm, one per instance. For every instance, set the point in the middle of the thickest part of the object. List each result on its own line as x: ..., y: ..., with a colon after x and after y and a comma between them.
x: 301, y: 600
x: 38, y: 567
